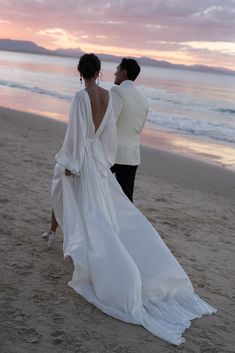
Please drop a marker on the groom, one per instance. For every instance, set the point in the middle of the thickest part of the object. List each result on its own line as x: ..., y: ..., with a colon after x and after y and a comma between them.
x: 130, y: 109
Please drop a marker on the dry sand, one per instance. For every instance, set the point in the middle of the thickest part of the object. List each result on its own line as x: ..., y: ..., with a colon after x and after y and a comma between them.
x: 191, y: 203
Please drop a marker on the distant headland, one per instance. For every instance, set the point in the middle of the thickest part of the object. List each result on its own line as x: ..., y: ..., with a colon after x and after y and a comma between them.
x: 32, y: 48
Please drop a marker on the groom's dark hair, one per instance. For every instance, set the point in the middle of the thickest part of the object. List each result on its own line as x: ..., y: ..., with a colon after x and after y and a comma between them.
x: 132, y: 68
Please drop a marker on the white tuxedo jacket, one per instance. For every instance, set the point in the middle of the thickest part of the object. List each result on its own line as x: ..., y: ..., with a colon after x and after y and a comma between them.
x: 130, y: 110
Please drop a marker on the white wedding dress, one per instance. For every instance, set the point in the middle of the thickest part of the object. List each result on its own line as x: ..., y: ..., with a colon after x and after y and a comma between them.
x: 121, y: 265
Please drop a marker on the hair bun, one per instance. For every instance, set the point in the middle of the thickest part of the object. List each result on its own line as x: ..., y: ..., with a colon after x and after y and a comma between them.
x: 89, y: 65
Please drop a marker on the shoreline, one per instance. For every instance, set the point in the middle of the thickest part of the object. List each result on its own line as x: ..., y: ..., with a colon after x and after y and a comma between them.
x: 189, y: 202
x: 158, y: 141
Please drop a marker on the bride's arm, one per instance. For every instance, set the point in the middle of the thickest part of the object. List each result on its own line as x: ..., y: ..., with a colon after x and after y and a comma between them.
x: 72, y: 152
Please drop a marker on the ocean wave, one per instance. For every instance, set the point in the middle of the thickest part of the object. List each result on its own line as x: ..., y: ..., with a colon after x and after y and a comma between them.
x: 35, y: 89
x: 225, y: 110
x: 171, y: 119
x: 184, y: 125
x: 166, y: 97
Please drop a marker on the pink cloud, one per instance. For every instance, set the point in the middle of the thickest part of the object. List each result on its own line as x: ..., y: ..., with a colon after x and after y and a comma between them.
x: 133, y: 24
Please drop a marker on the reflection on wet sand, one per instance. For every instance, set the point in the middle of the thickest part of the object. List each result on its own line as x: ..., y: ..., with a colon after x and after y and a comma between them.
x: 37, y: 104
x: 197, y: 148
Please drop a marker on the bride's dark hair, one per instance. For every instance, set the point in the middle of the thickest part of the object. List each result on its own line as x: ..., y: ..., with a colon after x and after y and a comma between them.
x: 89, y: 65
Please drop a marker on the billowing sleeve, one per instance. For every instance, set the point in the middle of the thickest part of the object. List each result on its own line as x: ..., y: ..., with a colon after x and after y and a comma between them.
x: 71, y: 154
x: 108, y: 138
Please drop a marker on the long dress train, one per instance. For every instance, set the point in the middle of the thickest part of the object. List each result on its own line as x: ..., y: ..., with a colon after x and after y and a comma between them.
x: 121, y: 264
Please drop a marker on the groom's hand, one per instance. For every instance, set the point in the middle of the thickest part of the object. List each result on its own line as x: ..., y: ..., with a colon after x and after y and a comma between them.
x: 67, y: 172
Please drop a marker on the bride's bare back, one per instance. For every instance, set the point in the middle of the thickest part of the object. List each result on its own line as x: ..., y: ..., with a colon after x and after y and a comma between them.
x: 99, y: 98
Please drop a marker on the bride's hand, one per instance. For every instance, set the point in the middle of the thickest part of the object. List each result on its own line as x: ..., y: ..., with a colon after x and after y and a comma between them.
x: 67, y: 172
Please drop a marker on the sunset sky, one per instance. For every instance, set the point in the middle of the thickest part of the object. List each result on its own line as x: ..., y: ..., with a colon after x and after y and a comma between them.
x: 179, y: 31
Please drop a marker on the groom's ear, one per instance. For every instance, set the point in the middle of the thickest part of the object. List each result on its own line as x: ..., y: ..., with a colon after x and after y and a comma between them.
x: 124, y: 73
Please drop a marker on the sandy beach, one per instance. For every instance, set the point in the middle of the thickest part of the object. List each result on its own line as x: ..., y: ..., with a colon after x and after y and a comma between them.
x: 191, y: 203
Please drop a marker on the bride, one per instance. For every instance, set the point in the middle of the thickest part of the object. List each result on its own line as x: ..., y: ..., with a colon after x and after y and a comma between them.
x: 121, y: 265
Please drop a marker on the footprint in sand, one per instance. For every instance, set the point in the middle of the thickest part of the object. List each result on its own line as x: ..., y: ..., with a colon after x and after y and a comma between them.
x: 57, y: 341
x: 210, y: 349
x: 161, y: 199
x: 8, y: 217
x: 53, y: 273
x: 58, y: 318
x: 23, y: 268
x: 8, y: 291
x: 57, y: 333
x: 29, y: 335
x: 4, y: 201
x: 40, y: 296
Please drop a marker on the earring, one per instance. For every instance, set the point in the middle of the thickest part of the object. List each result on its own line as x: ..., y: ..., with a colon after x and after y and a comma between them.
x: 81, y: 80
x: 98, y: 80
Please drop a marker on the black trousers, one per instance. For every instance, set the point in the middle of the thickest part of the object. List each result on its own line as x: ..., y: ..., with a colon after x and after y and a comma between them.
x: 125, y: 175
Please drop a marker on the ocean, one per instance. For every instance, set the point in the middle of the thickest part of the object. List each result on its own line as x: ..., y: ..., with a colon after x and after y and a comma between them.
x: 190, y: 112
